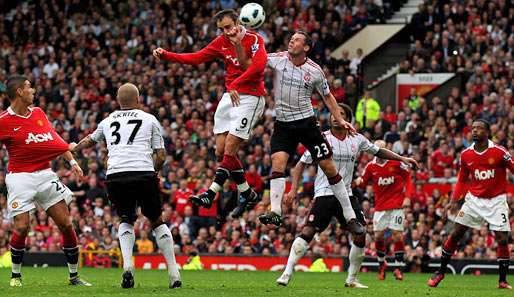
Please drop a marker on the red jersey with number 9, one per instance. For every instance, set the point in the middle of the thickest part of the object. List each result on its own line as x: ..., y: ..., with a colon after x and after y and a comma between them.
x: 31, y: 140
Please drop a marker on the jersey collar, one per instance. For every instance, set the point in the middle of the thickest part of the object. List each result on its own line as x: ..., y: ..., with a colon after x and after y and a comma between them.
x: 11, y: 112
x: 490, y: 144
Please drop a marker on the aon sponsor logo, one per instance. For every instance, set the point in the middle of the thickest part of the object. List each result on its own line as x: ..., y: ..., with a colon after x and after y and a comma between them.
x: 484, y: 174
x: 385, y: 181
x: 42, y: 137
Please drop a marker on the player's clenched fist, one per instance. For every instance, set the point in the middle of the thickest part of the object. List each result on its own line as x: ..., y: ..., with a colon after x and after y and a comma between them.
x: 158, y: 52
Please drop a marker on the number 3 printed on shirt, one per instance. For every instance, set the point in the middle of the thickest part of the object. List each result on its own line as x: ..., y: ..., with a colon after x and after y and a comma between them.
x: 321, y: 150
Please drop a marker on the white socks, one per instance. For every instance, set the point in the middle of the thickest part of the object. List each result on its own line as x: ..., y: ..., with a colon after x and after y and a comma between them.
x: 165, y: 243
x: 342, y: 196
x: 356, y: 258
x: 298, y: 249
x: 127, y: 238
x: 277, y: 188
x: 16, y: 268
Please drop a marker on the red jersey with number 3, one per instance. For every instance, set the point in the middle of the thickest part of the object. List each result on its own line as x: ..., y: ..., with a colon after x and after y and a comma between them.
x: 31, y: 141
x: 484, y: 174
x: 389, y: 180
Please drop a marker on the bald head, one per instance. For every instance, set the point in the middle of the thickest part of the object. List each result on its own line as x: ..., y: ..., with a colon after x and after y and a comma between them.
x: 128, y: 96
x: 380, y: 143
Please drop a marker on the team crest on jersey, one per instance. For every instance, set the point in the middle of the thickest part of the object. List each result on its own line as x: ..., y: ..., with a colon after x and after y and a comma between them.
x: 354, y: 147
x: 490, y: 161
x: 307, y: 77
x: 390, y: 169
x: 39, y: 123
x: 14, y: 205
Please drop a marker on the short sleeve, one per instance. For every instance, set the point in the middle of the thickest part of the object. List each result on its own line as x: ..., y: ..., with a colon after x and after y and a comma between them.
x: 157, y: 139
x: 98, y: 134
x: 322, y: 84
x: 306, y: 158
x: 274, y: 59
x: 366, y: 146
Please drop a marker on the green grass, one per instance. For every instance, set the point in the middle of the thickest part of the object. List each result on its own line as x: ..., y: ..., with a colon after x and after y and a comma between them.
x: 53, y: 282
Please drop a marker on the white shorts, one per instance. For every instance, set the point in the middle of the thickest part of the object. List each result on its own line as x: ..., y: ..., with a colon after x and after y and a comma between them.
x: 26, y: 189
x: 238, y: 120
x: 388, y: 219
x: 476, y: 211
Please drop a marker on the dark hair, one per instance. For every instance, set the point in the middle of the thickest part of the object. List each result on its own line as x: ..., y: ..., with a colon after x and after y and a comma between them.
x: 14, y: 83
x: 308, y: 39
x: 486, y: 123
x: 226, y: 13
x: 347, y: 111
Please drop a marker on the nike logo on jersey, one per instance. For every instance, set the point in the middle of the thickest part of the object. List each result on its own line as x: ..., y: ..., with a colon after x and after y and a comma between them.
x: 470, y: 163
x: 224, y: 48
x: 16, y: 129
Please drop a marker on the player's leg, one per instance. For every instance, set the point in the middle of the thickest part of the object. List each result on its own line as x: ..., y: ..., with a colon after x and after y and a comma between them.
x: 381, y: 253
x: 21, y: 223
x: 124, y: 203
x: 151, y: 207
x: 449, y: 248
x: 318, y: 219
x: 358, y: 243
x: 61, y: 216
x: 244, y: 118
x: 503, y: 255
x: 338, y: 187
x: 399, y: 253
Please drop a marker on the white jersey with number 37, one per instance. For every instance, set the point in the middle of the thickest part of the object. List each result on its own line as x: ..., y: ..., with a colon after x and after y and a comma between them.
x: 131, y: 137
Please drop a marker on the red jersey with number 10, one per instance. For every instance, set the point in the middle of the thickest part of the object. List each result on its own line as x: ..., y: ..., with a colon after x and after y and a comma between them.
x: 389, y: 180
x: 251, y: 81
x: 483, y: 174
x: 31, y: 141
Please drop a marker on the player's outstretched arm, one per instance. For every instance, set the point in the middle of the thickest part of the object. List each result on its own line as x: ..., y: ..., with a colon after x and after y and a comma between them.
x: 390, y: 155
x: 331, y: 103
x: 84, y: 143
x: 208, y: 53
x: 159, y: 157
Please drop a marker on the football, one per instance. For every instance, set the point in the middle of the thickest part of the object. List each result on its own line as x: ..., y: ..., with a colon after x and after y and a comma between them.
x: 252, y: 15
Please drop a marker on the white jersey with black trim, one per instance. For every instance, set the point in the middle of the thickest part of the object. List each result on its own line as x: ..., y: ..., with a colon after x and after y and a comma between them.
x: 293, y: 86
x: 346, y: 152
x: 131, y: 137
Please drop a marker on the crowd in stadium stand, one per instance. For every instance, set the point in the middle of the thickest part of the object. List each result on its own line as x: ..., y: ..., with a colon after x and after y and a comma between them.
x: 78, y: 54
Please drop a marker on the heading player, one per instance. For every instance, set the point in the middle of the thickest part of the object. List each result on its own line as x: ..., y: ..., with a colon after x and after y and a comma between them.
x: 296, y: 78
x: 240, y: 107
x: 325, y: 206
x: 389, y: 178
x: 482, y: 174
x: 135, y: 156
x: 32, y: 143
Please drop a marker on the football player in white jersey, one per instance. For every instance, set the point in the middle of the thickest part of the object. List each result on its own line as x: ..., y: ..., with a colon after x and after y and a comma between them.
x: 136, y: 154
x: 326, y: 206
x: 296, y: 78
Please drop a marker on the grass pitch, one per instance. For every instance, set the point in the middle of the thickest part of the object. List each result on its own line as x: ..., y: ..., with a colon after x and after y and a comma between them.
x: 106, y: 282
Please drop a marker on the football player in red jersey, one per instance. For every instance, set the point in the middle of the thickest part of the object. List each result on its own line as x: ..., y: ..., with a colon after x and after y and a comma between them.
x: 482, y: 178
x: 241, y: 106
x: 389, y: 179
x: 32, y: 143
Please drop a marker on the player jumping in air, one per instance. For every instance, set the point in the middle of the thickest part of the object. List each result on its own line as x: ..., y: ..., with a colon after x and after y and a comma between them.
x: 389, y: 179
x: 483, y: 168
x: 32, y: 143
x: 136, y: 155
x: 296, y: 78
x: 325, y: 206
x: 240, y: 107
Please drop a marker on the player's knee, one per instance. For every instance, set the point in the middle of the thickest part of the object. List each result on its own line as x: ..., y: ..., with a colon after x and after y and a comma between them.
x: 219, y: 154
x: 308, y: 233
x: 156, y: 223
x: 360, y: 240
x: 22, y: 230
x: 502, y: 238
x: 127, y: 219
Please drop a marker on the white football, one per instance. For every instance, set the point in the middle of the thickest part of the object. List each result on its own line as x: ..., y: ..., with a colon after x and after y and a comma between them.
x: 252, y: 15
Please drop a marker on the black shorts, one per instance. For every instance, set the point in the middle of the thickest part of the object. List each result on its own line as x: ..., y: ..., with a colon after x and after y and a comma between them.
x: 326, y: 207
x: 287, y: 135
x: 128, y: 190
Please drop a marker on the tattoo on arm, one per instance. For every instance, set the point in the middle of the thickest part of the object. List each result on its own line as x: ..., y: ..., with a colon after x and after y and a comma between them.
x: 159, y: 159
x: 84, y: 143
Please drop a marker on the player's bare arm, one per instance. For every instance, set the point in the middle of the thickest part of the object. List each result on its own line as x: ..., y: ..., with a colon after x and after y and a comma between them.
x: 296, y: 174
x: 390, y: 155
x: 84, y: 143
x: 75, y: 168
x: 236, y: 37
x: 159, y: 157
x: 331, y: 103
